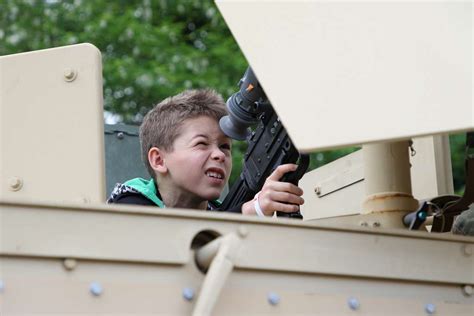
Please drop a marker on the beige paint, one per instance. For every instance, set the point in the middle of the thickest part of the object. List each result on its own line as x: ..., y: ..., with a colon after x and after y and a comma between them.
x: 51, y: 125
x: 345, y: 73
x: 313, y: 268
x: 341, y: 182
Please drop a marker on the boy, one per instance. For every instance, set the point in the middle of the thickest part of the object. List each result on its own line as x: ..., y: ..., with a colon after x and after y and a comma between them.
x: 189, y: 160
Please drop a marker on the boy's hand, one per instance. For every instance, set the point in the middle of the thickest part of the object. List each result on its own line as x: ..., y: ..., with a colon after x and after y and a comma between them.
x: 276, y: 195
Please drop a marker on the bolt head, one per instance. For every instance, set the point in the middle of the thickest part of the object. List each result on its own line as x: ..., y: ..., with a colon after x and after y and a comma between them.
x: 353, y: 303
x: 188, y: 294
x: 468, y: 290
x: 242, y: 231
x: 430, y: 309
x: 95, y: 288
x: 70, y: 264
x: 15, y: 183
x: 376, y: 224
x: 120, y: 135
x: 273, y: 298
x: 467, y: 250
x: 69, y: 74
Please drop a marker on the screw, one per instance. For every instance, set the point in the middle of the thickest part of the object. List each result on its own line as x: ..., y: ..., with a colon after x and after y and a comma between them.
x: 353, y: 303
x: 467, y: 289
x: 317, y: 190
x: 70, y: 264
x: 120, y: 135
x: 69, y: 74
x: 15, y: 183
x: 376, y: 224
x: 430, y: 309
x: 242, y: 231
x: 95, y: 288
x: 273, y: 298
x: 2, y: 286
x: 467, y: 250
x: 188, y: 293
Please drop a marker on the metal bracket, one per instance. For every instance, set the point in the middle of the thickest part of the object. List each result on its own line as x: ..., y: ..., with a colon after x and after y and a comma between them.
x: 219, y: 256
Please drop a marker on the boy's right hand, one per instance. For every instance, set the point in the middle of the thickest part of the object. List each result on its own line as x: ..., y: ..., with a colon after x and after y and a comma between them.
x: 276, y: 195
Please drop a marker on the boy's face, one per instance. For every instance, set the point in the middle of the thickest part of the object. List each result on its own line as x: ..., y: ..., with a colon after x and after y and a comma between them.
x: 200, y: 162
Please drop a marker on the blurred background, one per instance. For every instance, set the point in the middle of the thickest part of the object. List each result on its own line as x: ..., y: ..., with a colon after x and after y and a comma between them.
x: 151, y: 49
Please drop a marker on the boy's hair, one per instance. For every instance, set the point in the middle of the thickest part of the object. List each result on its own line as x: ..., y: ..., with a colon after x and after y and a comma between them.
x: 162, y: 124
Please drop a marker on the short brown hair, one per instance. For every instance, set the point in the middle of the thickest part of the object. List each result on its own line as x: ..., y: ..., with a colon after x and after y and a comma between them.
x: 162, y: 124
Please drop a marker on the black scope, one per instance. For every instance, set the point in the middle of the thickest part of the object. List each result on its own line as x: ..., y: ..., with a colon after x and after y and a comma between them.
x: 244, y: 107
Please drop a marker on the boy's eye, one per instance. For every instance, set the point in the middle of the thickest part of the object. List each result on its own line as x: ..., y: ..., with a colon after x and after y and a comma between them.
x: 225, y: 146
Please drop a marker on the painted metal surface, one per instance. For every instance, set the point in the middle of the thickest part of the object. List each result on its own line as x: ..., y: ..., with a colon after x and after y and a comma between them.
x: 354, y: 72
x: 141, y: 260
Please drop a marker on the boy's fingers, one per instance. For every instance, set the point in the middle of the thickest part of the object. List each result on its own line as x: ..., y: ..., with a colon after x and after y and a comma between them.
x: 280, y: 201
x: 280, y: 171
x: 284, y: 187
x: 288, y: 198
x: 282, y: 207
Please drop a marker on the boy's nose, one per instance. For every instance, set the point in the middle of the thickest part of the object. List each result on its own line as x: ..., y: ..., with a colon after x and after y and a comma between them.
x: 217, y: 154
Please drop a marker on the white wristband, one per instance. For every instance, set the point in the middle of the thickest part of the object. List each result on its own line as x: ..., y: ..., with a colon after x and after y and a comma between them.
x: 258, y: 209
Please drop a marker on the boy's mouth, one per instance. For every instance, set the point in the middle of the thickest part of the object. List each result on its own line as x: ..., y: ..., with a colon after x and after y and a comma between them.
x: 215, y: 173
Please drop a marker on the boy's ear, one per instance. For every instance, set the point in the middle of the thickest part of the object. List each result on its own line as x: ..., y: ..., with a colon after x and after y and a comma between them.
x: 157, y: 160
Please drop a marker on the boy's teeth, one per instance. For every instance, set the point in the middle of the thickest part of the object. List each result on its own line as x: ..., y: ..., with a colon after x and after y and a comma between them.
x: 214, y: 175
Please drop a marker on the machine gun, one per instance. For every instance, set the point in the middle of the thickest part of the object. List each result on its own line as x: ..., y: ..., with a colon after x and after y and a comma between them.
x: 269, y: 144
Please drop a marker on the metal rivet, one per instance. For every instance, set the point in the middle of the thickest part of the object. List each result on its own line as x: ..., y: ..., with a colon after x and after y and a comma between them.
x: 273, y: 298
x: 15, y: 183
x: 70, y: 74
x: 376, y: 224
x: 2, y: 286
x: 353, y: 303
x: 120, y: 135
x: 95, y: 288
x: 70, y: 264
x: 363, y: 224
x: 430, y: 309
x: 188, y: 293
x: 467, y: 250
x: 317, y: 190
x: 242, y: 231
x: 468, y: 290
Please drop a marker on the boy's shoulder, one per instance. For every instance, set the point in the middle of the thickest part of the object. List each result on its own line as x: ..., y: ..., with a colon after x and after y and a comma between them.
x: 136, y: 191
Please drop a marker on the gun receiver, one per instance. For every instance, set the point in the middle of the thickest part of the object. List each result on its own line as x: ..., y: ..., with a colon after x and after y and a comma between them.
x: 269, y: 146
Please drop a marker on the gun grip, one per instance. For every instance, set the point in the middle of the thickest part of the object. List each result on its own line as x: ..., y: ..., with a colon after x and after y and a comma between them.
x: 294, y: 177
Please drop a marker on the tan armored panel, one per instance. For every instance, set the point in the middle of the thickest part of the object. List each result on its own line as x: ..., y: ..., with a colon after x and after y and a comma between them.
x: 117, y: 260
x: 51, y: 125
x: 353, y: 72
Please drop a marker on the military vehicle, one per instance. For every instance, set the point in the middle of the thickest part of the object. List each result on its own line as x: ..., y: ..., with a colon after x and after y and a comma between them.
x: 375, y: 74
